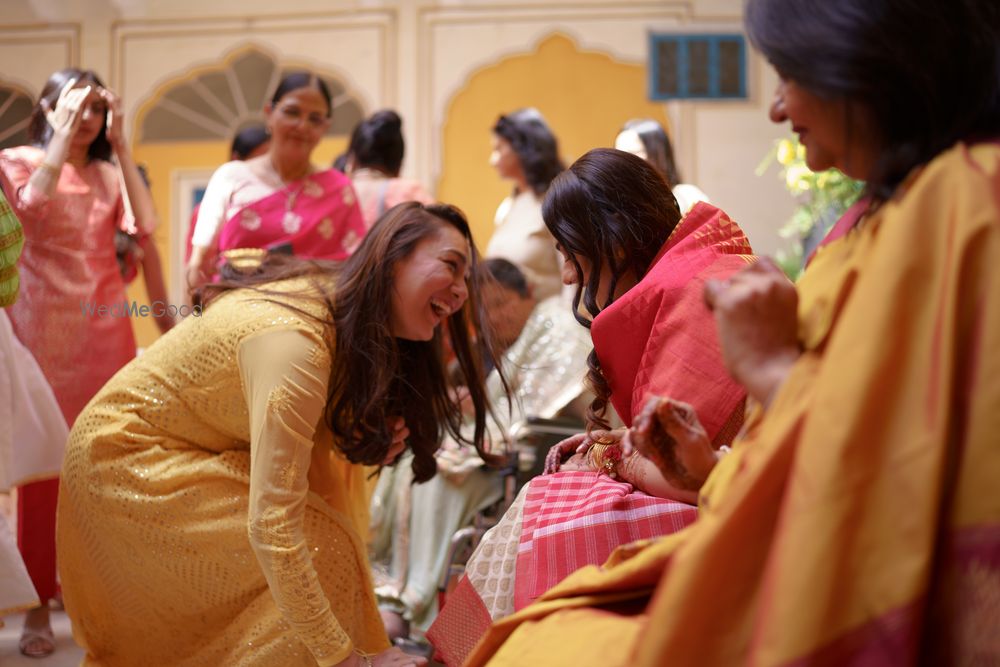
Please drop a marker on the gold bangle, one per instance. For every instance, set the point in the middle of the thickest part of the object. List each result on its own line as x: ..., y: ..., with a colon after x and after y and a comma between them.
x: 605, y: 458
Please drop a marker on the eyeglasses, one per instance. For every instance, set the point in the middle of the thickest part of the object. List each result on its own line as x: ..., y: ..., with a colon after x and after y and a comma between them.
x: 293, y: 115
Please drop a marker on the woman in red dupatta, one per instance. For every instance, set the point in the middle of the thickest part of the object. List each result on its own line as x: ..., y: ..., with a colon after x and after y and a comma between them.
x: 280, y: 201
x: 640, y: 272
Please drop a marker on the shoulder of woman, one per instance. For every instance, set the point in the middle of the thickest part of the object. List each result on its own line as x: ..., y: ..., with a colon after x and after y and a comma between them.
x: 289, y: 304
x: 332, y: 176
x: 413, y: 189
x: 235, y: 169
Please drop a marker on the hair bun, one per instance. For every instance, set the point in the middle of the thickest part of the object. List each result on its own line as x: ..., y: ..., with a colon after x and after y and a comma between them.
x: 386, y: 119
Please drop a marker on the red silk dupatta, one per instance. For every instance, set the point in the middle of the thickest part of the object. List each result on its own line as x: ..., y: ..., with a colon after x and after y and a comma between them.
x: 317, y: 217
x: 659, y: 337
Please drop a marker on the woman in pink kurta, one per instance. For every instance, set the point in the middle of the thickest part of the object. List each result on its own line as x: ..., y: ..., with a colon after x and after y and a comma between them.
x: 72, y: 313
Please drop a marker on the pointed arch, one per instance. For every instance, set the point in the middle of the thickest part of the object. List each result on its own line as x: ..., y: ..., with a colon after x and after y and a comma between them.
x: 215, y: 101
x: 16, y: 104
x: 585, y: 96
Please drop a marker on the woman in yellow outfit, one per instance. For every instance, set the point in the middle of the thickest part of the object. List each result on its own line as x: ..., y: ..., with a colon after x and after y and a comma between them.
x: 856, y: 520
x: 213, y: 493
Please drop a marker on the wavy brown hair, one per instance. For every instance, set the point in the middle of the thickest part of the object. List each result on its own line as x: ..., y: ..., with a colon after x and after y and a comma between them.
x: 376, y: 376
x: 615, y: 211
x: 535, y: 145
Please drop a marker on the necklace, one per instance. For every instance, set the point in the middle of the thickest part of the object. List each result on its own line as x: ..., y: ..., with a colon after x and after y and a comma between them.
x: 291, y: 222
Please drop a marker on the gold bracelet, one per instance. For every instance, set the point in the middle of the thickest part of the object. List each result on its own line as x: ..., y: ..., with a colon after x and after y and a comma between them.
x: 605, y: 458
x: 365, y: 657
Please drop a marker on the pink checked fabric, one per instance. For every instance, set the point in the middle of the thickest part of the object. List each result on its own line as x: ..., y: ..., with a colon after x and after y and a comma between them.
x: 586, y: 516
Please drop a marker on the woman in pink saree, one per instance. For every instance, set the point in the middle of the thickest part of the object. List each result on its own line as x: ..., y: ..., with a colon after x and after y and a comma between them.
x: 279, y: 201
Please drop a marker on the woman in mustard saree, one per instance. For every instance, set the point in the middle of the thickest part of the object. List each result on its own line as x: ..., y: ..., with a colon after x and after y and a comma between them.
x: 856, y: 521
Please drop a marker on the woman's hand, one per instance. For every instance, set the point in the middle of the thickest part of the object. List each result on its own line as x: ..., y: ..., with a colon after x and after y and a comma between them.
x: 756, y: 313
x: 399, y: 435
x: 65, y: 116
x: 559, y: 452
x: 394, y: 657
x: 116, y: 118
x: 668, y: 433
x: 391, y: 657
x: 578, y: 462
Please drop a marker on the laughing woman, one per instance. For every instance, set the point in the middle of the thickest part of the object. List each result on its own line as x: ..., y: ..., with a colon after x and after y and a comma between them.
x: 214, y: 491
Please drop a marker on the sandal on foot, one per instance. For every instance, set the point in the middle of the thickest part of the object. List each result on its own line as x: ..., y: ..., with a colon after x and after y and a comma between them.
x: 37, y: 643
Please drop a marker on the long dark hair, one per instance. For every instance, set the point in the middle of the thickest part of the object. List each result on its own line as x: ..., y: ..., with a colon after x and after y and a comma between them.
x: 39, y: 130
x: 377, y: 142
x: 927, y: 72
x: 611, y: 209
x: 536, y: 147
x: 374, y: 375
x: 659, y: 150
x: 302, y: 79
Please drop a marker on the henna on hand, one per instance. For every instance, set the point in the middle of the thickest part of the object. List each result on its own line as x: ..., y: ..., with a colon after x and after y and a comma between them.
x: 669, y: 434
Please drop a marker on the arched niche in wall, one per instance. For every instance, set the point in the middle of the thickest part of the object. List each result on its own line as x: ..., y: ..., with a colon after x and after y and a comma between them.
x: 585, y: 96
x: 15, y: 114
x: 183, y: 130
x: 212, y: 103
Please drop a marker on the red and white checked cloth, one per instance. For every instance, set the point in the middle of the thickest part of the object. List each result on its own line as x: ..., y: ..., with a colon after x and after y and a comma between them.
x: 566, y: 521
x: 573, y: 519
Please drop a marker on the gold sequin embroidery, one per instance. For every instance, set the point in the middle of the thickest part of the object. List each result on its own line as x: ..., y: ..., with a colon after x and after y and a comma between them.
x: 280, y: 399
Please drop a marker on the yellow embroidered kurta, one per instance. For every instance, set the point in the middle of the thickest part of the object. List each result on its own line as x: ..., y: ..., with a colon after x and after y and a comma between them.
x: 204, y: 516
x: 858, y: 522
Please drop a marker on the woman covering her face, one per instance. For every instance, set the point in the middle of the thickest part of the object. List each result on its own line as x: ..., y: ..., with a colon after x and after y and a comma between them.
x: 72, y: 188
x: 214, y: 505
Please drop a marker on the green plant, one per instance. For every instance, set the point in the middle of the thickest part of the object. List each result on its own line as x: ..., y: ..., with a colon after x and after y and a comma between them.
x: 822, y: 198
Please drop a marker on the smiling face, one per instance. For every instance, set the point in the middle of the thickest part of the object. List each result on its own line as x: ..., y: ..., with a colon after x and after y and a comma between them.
x: 833, y: 134
x: 297, y: 122
x: 430, y: 284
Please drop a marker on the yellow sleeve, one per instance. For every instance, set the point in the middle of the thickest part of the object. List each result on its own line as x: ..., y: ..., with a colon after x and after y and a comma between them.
x: 285, y: 375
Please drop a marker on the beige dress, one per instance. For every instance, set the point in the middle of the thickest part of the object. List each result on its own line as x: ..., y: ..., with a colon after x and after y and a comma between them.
x: 521, y: 237
x: 205, y: 517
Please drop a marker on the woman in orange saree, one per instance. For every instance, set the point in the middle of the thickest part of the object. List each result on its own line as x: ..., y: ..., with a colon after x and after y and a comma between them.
x: 856, y: 521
